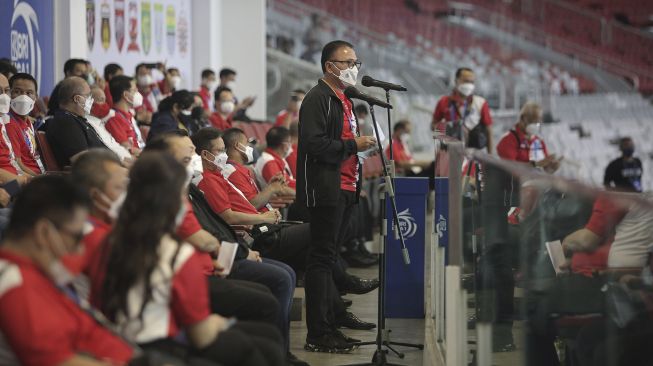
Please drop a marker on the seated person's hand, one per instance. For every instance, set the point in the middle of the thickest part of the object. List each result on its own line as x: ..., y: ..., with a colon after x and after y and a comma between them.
x: 218, y: 269
x: 5, y: 198
x: 278, y: 178
x: 271, y: 217
x: 254, y: 256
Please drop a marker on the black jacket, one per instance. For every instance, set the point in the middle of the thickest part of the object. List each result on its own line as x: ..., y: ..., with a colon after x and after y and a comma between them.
x: 321, y: 149
x: 68, y: 135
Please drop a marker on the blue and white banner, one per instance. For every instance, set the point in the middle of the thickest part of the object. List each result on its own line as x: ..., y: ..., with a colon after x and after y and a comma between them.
x: 26, y: 38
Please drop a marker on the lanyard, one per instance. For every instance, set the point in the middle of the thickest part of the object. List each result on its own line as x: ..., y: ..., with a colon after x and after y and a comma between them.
x: 29, y: 137
x: 452, y: 111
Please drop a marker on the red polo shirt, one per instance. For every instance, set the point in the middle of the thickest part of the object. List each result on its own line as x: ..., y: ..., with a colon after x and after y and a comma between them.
x: 7, y: 160
x: 222, y: 195
x: 605, y: 218
x: 45, y: 327
x: 121, y: 127
x: 273, y: 164
x: 243, y: 179
x: 21, y: 134
x: 219, y: 122
x: 205, y: 94
x: 399, y: 151
x: 449, y: 111
x: 281, y: 118
x: 520, y: 148
x: 189, y: 226
x: 179, y: 296
x: 349, y: 167
x: 107, y: 94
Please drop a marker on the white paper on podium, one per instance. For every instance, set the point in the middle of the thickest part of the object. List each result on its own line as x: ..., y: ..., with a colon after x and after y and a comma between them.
x: 226, y: 256
x: 557, y: 255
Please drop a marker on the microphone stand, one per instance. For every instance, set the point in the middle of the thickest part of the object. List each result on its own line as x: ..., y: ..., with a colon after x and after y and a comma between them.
x: 383, y: 335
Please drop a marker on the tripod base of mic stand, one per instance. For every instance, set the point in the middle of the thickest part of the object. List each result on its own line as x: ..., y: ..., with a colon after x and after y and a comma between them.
x: 379, y: 359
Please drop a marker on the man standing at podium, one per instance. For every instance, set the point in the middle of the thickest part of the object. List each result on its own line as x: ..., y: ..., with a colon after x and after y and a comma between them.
x: 328, y: 183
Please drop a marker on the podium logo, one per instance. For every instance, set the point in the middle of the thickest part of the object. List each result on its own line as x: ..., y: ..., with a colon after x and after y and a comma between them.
x: 25, y: 47
x: 441, y: 227
x: 407, y: 224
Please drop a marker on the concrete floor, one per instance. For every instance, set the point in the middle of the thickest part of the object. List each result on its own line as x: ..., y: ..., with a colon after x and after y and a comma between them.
x: 364, y: 306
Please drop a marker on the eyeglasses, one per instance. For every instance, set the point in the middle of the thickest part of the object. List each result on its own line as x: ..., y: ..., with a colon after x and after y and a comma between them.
x: 350, y: 63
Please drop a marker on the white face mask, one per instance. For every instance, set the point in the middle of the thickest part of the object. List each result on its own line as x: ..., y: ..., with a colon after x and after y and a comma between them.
x: 23, y: 105
x: 145, y: 80
x: 231, y: 85
x: 190, y: 172
x: 248, y: 151
x: 88, y: 105
x: 348, y: 76
x: 5, y: 102
x: 227, y: 107
x: 466, y: 89
x: 114, y: 208
x: 405, y: 138
x: 219, y: 160
x: 186, y: 112
x: 211, y: 85
x: 288, y: 152
x: 137, y: 99
x: 176, y: 82
x: 532, y: 129
x: 4, y: 119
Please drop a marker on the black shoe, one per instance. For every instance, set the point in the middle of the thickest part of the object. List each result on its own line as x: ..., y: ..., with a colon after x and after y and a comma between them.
x: 357, y: 260
x: 351, y: 321
x: 360, y: 286
x: 328, y: 343
x: 347, y: 302
x: 346, y: 338
x: 294, y: 361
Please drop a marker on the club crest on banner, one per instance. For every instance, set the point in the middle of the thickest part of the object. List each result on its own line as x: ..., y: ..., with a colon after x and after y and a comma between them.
x: 105, y: 30
x: 146, y: 26
x: 171, y: 25
x: 133, y: 27
x: 158, y: 27
x: 90, y: 23
x: 119, y: 22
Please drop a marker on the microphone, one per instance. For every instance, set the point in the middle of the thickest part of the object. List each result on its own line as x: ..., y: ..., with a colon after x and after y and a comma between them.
x: 353, y: 93
x: 371, y: 82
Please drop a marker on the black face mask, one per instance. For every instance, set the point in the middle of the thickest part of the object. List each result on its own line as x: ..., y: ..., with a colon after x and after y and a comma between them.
x: 628, y: 151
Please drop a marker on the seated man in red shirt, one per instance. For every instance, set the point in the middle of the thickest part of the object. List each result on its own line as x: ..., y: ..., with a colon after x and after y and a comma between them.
x: 122, y: 125
x: 272, y: 162
x: 401, y: 155
x: 9, y: 166
x: 21, y: 128
x: 225, y: 108
x: 291, y: 113
x: 240, y: 153
x: 207, y: 86
x: 40, y: 315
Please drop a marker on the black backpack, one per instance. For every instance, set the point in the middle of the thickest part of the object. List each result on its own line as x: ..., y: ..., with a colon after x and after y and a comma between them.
x: 212, y: 222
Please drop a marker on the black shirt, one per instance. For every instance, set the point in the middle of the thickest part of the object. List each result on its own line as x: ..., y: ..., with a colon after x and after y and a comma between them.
x: 68, y: 135
x: 625, y: 175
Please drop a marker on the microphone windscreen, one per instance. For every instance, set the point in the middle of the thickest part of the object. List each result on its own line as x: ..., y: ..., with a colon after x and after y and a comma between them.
x: 367, y: 80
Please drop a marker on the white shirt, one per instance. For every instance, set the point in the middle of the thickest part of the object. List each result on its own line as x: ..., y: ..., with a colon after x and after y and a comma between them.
x: 106, y: 137
x: 633, y: 239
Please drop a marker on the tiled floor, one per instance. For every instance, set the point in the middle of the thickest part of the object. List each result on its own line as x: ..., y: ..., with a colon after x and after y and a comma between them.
x: 406, y: 330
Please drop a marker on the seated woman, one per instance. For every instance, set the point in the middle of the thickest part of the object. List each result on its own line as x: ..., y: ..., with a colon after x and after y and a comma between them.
x: 151, y: 284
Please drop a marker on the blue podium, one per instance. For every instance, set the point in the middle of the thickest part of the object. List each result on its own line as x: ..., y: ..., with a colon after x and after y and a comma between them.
x: 404, y: 295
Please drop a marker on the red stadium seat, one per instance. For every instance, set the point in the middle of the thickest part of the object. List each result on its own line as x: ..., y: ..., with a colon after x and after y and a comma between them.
x: 46, y: 152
